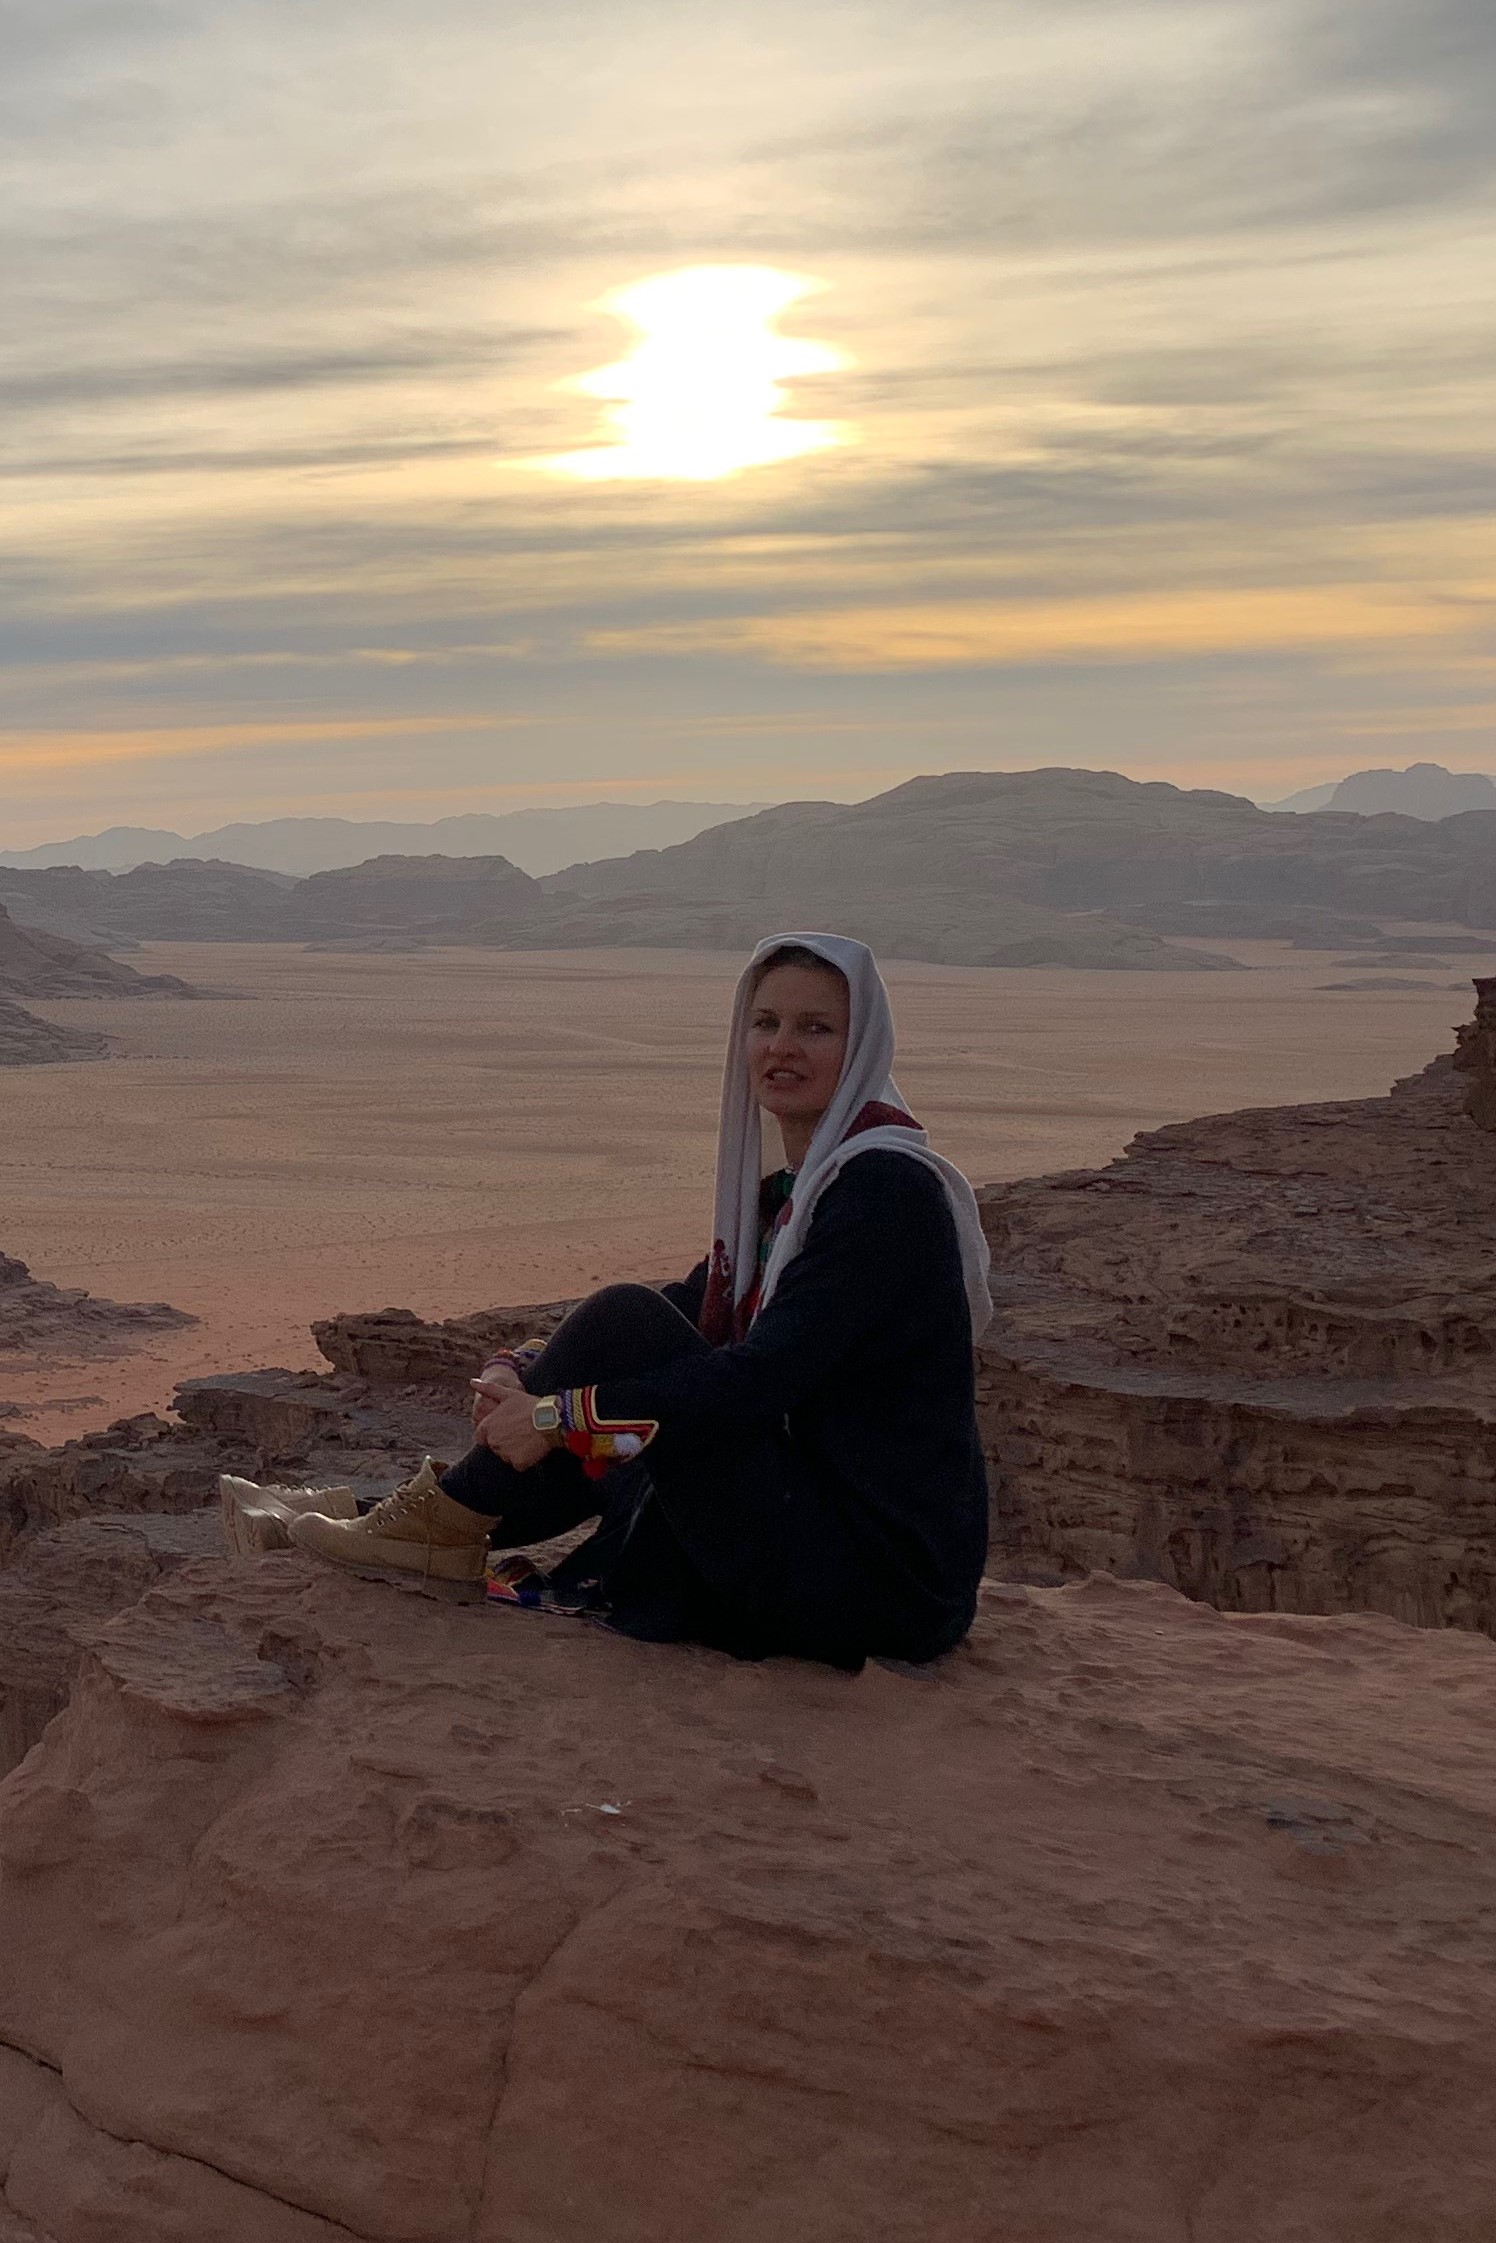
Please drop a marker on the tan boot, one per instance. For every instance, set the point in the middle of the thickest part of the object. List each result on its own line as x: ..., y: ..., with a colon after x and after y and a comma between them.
x: 257, y: 1519
x: 418, y: 1529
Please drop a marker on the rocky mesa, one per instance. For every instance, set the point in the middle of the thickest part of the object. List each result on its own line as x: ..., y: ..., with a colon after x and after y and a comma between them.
x: 1256, y: 1356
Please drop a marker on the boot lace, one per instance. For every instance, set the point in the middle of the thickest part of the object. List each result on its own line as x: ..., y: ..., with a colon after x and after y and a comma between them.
x: 405, y: 1499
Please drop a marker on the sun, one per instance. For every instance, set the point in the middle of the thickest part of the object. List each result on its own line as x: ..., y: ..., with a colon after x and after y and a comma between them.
x: 699, y: 396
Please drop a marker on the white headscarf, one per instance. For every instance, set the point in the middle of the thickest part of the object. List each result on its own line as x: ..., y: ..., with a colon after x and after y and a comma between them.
x: 866, y: 1083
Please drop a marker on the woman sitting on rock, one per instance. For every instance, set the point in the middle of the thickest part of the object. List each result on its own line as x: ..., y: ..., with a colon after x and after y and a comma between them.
x: 783, y: 1447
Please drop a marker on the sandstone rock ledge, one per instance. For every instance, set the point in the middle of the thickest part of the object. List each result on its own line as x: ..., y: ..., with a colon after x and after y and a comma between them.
x: 28, y: 1041
x: 1256, y: 1357
x: 42, y: 1321
x: 332, y: 1910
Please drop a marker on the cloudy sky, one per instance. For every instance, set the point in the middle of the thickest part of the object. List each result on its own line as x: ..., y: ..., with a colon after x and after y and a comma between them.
x: 1158, y: 341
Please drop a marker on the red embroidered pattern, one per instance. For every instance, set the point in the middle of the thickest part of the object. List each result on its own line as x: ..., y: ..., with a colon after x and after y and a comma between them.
x: 722, y: 1319
x: 599, y: 1441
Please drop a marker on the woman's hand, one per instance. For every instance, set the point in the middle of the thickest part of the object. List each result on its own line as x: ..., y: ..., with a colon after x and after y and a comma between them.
x: 498, y: 1380
x: 508, y: 1430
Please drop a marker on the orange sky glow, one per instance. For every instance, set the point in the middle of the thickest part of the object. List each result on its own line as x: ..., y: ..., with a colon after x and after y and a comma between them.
x: 411, y: 411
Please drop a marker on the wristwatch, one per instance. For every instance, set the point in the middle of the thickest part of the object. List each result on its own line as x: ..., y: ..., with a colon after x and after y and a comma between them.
x: 546, y: 1415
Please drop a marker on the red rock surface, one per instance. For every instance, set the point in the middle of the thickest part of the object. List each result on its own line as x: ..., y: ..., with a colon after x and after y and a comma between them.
x: 38, y: 1318
x: 1256, y: 1358
x: 1476, y: 1057
x: 50, y: 1329
x: 66, y: 1576
x: 260, y: 1423
x: 392, y: 1346
x: 36, y: 964
x: 1133, y: 1921
x: 28, y: 1041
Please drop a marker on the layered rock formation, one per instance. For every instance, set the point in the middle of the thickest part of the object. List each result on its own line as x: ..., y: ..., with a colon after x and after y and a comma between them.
x: 1256, y: 1357
x: 1476, y: 1057
x: 26, y: 1041
x: 395, y: 1348
x: 67, y: 1578
x: 252, y: 1422
x: 37, y: 964
x: 334, y: 1911
x: 34, y: 964
x: 45, y: 1328
x: 38, y: 1319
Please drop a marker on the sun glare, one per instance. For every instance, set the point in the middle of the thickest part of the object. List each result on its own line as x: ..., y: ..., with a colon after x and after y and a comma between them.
x: 699, y: 396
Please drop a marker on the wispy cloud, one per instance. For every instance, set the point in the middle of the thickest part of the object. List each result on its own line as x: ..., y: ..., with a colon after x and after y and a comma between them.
x: 980, y: 634
x: 1170, y: 337
x: 45, y: 753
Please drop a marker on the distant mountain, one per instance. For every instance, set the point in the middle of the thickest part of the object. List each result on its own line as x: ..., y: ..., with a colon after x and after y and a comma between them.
x: 974, y: 845
x: 439, y: 899
x: 1054, y: 867
x: 536, y: 840
x: 432, y: 899
x: 1309, y: 798
x: 186, y: 901
x: 1423, y: 790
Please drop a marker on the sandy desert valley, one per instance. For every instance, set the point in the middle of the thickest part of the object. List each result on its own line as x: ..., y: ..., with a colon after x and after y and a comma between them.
x: 457, y: 1128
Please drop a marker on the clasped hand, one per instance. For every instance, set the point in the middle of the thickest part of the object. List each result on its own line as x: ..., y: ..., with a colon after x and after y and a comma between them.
x: 502, y: 1420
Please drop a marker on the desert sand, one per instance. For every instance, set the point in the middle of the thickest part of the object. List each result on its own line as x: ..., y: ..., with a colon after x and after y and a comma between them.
x: 461, y: 1127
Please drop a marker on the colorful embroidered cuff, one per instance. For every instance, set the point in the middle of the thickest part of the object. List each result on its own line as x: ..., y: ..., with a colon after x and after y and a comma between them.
x: 517, y: 1359
x: 600, y: 1442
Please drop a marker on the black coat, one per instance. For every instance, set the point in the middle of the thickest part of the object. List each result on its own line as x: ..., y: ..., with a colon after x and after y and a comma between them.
x: 859, y: 1373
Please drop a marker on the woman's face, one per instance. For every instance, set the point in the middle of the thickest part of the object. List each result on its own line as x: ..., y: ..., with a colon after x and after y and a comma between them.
x: 797, y: 1041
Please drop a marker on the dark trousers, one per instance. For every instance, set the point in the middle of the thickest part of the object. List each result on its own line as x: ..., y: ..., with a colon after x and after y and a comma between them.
x: 694, y: 1541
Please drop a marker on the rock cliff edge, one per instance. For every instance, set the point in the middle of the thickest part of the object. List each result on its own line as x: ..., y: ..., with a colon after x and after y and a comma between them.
x: 336, y: 1911
x: 1256, y: 1356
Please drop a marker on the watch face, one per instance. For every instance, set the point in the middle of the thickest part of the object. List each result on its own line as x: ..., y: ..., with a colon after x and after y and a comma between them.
x: 545, y: 1417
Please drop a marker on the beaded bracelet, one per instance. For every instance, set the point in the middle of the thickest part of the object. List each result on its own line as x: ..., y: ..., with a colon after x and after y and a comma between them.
x: 517, y: 1359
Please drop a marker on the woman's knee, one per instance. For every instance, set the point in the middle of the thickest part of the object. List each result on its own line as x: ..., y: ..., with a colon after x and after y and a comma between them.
x: 618, y: 1332
x: 619, y: 1307
x: 622, y: 1328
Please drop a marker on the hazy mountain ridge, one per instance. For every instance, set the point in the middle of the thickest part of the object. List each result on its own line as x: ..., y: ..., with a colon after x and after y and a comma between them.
x: 1067, y: 841
x: 1423, y: 790
x: 538, y: 840
x: 1047, y: 867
